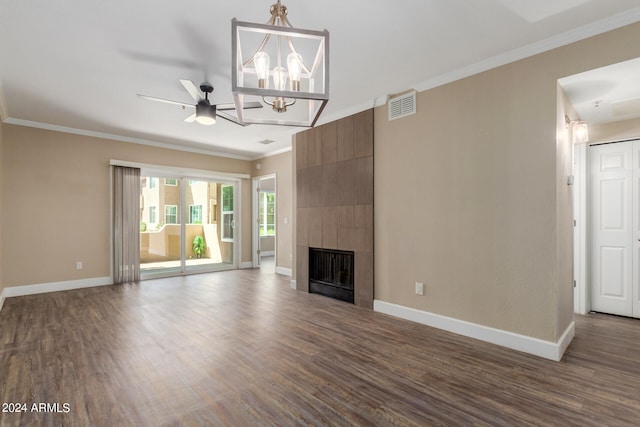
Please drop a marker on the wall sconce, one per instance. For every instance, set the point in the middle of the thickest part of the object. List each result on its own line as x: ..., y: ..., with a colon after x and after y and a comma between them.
x: 579, y: 129
x: 296, y: 88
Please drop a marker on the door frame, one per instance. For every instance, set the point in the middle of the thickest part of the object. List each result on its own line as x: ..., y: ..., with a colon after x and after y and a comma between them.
x: 581, y: 301
x: 255, y: 228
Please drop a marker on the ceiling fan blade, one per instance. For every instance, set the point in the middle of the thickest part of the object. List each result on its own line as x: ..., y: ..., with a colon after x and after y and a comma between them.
x: 254, y: 104
x: 191, y: 118
x: 192, y: 89
x: 230, y: 118
x: 166, y: 101
x: 225, y: 107
x: 246, y: 106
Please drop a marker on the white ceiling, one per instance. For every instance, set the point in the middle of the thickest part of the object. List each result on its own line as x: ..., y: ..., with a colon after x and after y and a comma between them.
x: 77, y: 65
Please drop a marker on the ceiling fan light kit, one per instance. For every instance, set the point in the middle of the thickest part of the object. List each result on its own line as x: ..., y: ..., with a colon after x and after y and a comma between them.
x: 206, y: 113
x: 295, y: 87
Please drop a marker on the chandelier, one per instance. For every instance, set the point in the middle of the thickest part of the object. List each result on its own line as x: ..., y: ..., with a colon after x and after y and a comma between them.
x: 284, y: 68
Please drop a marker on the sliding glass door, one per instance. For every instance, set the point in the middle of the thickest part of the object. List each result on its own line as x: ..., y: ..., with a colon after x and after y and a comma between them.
x: 186, y: 225
x: 160, y: 229
x: 209, y: 230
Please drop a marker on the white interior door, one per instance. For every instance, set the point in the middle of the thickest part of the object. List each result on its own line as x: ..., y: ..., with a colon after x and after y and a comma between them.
x: 635, y: 286
x: 614, y: 239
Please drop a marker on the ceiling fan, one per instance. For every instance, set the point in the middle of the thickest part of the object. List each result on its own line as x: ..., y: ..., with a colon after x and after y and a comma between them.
x: 206, y: 112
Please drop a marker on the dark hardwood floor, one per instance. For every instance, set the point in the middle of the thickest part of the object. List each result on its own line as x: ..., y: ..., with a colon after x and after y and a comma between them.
x: 241, y: 348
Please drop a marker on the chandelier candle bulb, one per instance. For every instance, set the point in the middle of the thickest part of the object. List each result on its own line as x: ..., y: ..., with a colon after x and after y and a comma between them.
x: 294, y: 62
x: 261, y: 61
x: 279, y: 78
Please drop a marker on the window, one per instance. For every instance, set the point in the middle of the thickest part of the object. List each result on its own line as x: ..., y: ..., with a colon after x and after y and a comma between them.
x: 153, y: 214
x: 195, y: 214
x: 267, y: 214
x: 170, y: 214
x: 227, y: 212
x: 171, y: 181
x: 153, y: 183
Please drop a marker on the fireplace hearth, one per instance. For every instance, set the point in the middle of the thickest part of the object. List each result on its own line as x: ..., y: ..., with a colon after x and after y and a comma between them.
x: 331, y: 273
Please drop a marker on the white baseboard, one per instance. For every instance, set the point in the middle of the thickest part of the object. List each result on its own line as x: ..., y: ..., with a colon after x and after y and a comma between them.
x: 566, y: 339
x: 526, y: 344
x: 293, y: 284
x: 41, y: 288
x: 284, y: 271
x: 246, y: 264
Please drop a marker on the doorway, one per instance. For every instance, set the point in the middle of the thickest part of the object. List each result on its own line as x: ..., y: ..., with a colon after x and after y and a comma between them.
x: 614, y: 228
x: 606, y: 99
x: 264, y: 222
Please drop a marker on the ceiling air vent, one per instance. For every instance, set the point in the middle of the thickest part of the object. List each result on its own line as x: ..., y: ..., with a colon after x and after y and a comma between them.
x: 403, y: 105
x: 266, y: 141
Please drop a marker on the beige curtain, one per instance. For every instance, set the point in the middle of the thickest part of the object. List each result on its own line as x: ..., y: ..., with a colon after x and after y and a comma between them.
x: 126, y: 224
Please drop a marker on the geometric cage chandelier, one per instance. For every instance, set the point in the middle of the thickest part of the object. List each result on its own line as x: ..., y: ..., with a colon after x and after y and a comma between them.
x: 284, y: 68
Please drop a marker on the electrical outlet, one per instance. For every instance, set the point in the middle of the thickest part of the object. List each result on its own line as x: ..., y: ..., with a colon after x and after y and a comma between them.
x: 78, y: 265
x: 419, y: 288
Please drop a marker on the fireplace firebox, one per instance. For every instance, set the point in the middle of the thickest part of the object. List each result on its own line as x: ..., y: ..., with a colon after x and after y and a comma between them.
x: 331, y: 273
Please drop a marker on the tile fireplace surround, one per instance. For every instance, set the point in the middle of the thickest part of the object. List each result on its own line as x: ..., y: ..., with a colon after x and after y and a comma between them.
x: 334, y: 193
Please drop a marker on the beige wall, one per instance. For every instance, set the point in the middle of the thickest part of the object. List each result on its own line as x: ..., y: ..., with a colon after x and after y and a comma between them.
x: 616, y: 131
x: 471, y: 195
x: 564, y: 211
x: 267, y: 243
x: 281, y: 165
x: 1, y: 207
x: 56, y: 200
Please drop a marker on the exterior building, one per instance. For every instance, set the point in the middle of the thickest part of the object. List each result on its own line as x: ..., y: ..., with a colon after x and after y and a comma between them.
x: 161, y: 217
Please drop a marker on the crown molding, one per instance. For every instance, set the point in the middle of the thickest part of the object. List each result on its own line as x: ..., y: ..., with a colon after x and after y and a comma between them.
x: 273, y: 153
x: 102, y: 135
x: 580, y: 33
x: 575, y: 35
x: 346, y: 112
